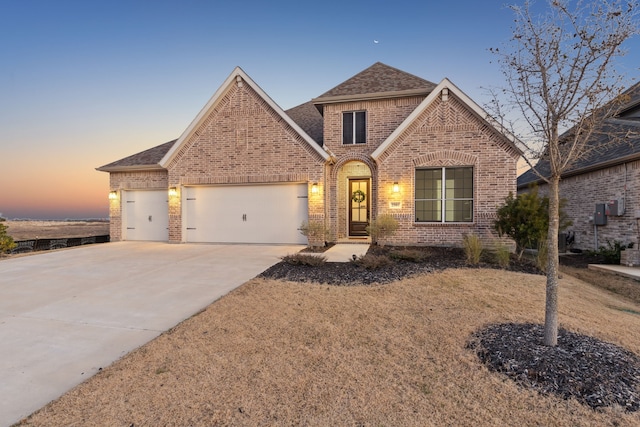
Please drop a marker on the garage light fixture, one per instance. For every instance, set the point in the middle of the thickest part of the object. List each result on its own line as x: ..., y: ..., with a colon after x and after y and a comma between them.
x: 314, y: 188
x: 173, y: 191
x: 396, y: 187
x: 113, y: 195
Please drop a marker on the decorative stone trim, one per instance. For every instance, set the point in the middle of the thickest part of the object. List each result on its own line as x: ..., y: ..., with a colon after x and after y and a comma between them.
x: 445, y: 158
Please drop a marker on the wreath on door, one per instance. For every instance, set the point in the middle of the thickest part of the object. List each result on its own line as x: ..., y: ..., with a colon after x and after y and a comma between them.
x: 358, y: 196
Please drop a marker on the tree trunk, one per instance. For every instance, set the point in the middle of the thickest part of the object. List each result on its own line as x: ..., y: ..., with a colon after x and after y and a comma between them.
x: 551, y: 304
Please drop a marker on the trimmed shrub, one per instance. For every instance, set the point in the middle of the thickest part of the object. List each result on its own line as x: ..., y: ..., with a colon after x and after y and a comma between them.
x: 372, y: 262
x: 305, y: 259
x: 315, y: 232
x: 525, y: 218
x: 384, y: 226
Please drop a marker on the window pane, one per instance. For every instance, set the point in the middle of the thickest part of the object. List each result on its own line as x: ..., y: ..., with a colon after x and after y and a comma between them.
x: 458, y: 211
x: 347, y: 128
x: 361, y: 127
x: 459, y: 183
x: 428, y: 210
x: 428, y: 183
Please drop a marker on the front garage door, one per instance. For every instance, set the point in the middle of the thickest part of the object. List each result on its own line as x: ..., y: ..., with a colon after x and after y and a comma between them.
x: 269, y: 213
x: 146, y: 215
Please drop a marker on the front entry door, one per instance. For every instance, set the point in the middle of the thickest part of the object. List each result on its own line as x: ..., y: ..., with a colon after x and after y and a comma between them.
x: 358, y: 207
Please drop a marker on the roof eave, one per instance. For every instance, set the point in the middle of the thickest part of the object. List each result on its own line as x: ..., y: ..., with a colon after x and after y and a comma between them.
x: 371, y: 96
x: 446, y: 83
x: 591, y: 168
x: 133, y: 168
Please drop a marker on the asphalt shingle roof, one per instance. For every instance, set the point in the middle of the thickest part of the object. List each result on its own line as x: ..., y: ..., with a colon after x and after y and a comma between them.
x: 309, y: 119
x: 617, y: 140
x: 378, y: 78
x: 148, y: 158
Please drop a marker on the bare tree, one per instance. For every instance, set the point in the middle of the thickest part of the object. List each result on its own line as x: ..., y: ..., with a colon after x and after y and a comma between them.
x: 561, y: 79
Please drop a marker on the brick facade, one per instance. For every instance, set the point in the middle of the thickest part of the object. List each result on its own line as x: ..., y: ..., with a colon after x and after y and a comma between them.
x: 124, y: 181
x: 583, y: 191
x: 243, y: 139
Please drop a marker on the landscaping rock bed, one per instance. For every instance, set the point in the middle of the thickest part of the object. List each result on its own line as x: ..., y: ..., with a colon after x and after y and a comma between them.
x: 594, y: 372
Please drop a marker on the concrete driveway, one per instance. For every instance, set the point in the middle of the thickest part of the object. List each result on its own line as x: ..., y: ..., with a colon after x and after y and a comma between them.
x: 66, y: 314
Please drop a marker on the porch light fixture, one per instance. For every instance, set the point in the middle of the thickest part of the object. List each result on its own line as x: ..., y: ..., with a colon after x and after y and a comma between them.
x: 314, y: 188
x: 113, y: 195
x: 173, y: 191
x: 396, y: 187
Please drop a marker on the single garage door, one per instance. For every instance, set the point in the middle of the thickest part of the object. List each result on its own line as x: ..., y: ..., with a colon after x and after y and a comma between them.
x: 146, y: 215
x: 268, y: 213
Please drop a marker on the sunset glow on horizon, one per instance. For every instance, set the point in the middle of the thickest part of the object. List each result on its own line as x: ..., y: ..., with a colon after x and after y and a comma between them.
x: 86, y: 83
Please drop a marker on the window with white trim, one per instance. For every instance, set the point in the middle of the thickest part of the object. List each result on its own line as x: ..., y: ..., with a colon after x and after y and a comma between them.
x: 444, y: 194
x: 354, y: 127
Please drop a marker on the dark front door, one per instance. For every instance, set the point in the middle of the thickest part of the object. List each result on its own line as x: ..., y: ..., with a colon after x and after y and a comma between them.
x: 358, y: 207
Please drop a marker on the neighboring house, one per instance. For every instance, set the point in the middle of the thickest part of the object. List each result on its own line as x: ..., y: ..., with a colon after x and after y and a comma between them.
x: 604, y: 186
x: 382, y: 142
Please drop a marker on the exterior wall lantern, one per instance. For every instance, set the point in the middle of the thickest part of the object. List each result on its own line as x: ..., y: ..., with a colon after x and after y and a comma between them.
x: 173, y: 191
x: 314, y: 188
x: 113, y: 195
x: 396, y: 187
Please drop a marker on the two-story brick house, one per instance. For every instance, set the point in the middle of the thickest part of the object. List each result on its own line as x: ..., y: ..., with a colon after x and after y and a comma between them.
x: 384, y: 141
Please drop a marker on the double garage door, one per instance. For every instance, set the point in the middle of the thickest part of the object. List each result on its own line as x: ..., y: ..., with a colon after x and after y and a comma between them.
x: 269, y: 213
x: 245, y: 214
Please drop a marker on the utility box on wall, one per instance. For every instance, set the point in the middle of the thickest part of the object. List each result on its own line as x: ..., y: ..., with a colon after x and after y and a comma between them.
x: 600, y: 217
x: 615, y: 207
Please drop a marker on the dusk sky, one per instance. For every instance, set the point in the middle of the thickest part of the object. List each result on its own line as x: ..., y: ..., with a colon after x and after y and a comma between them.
x: 84, y: 83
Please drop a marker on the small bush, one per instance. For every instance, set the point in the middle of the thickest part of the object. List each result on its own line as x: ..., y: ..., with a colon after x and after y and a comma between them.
x: 382, y: 227
x: 6, y: 241
x: 373, y: 262
x: 315, y: 232
x: 611, y: 253
x: 472, y: 248
x: 413, y: 255
x: 305, y: 259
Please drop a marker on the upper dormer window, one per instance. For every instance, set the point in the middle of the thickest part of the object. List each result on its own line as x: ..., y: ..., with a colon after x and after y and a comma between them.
x: 354, y: 127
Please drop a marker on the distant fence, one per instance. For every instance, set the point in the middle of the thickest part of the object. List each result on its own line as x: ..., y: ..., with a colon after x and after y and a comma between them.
x: 23, y: 246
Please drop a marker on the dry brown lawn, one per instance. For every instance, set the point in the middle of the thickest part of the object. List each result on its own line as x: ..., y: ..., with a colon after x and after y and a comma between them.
x: 28, y: 230
x: 284, y: 353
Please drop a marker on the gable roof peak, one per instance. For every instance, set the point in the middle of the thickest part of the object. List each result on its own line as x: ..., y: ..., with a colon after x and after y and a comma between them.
x: 377, y: 81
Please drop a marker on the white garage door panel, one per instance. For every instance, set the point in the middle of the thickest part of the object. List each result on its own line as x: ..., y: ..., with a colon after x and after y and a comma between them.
x: 246, y: 214
x: 146, y: 215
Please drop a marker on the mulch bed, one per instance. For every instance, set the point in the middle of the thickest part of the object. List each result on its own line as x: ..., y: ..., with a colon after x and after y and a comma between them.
x: 594, y: 372
x: 352, y: 274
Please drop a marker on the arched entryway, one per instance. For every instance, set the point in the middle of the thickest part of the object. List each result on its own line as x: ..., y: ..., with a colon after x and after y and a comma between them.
x: 354, y: 200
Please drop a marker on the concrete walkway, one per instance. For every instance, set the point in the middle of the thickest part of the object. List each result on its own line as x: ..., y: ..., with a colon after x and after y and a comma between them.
x: 66, y: 314
x: 344, y: 252
x: 622, y: 270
